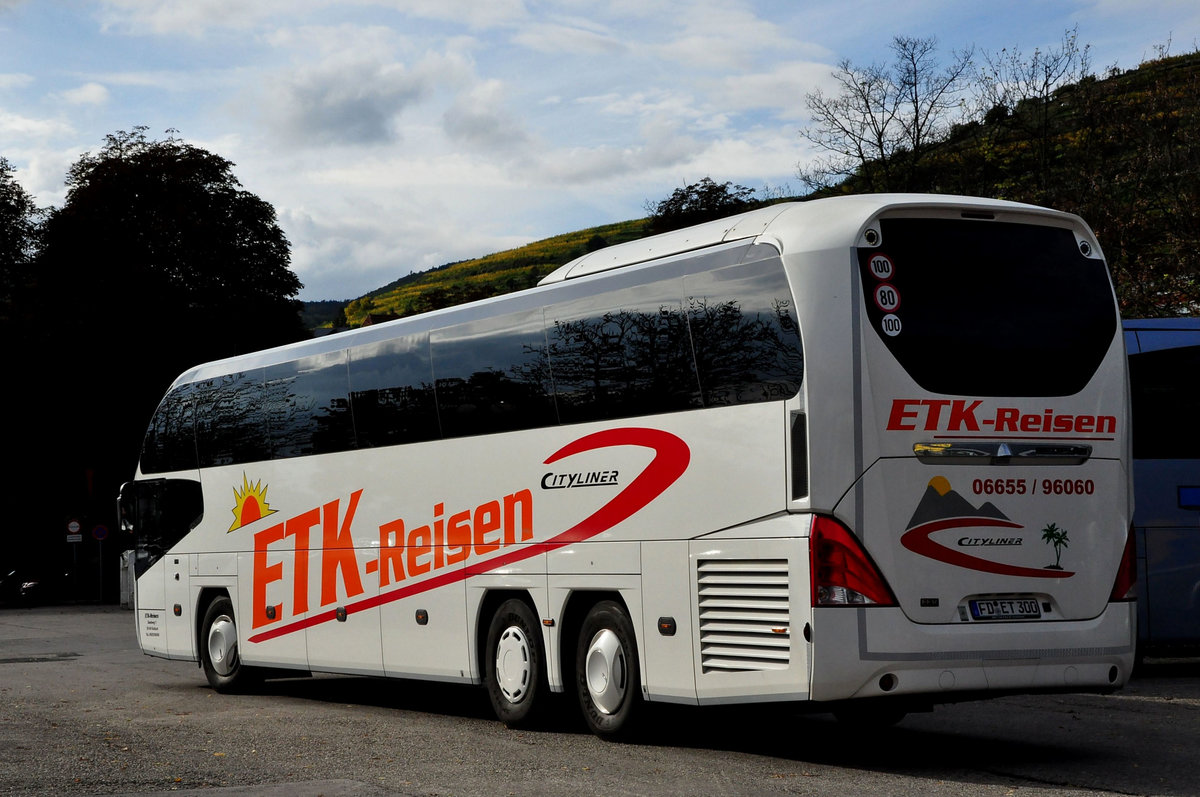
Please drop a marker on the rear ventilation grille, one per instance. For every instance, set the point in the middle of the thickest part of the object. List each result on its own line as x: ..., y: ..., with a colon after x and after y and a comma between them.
x: 745, y: 615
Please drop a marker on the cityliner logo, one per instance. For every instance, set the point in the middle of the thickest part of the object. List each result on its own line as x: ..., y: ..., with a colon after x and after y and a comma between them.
x: 565, y: 481
x: 978, y: 530
x: 416, y: 557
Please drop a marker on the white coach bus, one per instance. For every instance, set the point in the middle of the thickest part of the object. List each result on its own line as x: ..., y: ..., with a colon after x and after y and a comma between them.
x: 868, y: 453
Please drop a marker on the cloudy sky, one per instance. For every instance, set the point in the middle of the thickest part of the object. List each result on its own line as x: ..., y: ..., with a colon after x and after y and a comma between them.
x: 397, y: 135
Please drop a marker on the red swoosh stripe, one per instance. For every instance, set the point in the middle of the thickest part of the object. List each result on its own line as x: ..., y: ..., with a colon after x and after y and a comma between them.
x: 671, y: 459
x: 917, y: 540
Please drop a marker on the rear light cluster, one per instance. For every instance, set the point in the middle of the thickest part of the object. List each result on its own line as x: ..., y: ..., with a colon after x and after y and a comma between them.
x: 842, y: 572
x: 1125, y: 587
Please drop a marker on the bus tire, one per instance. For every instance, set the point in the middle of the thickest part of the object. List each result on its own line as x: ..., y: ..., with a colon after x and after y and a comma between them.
x: 607, y: 680
x: 219, y: 649
x: 514, y: 666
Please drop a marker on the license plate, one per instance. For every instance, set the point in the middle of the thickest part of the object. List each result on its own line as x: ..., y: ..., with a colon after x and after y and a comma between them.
x: 1006, y: 609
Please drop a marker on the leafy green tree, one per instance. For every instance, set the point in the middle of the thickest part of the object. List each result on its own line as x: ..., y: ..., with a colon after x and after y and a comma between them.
x: 164, y: 231
x: 157, y: 260
x: 703, y: 201
x: 18, y: 228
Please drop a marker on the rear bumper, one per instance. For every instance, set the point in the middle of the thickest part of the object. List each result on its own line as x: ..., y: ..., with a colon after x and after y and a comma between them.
x: 877, y: 652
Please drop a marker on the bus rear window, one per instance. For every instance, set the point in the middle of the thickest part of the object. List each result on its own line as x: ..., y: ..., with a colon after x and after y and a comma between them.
x: 986, y: 308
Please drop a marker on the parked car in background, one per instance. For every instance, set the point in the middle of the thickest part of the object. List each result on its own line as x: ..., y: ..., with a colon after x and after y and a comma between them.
x: 18, y: 587
x: 1164, y: 369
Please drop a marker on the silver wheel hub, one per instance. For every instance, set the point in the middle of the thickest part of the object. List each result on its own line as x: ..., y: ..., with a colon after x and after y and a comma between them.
x: 222, y: 645
x: 607, y: 672
x: 513, y: 664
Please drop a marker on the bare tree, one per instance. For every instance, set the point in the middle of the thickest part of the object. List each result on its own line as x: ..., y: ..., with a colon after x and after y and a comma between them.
x: 883, y: 119
x: 1018, y: 95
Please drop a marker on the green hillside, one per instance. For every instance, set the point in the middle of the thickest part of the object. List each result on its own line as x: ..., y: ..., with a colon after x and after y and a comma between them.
x: 1121, y: 150
x: 494, y: 274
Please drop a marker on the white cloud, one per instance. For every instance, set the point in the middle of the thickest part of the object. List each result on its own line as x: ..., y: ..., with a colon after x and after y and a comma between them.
x: 353, y: 103
x: 201, y: 17
x: 14, y: 80
x: 87, y: 94
x: 357, y: 89
x: 479, y: 119
x: 44, y: 173
x: 572, y: 38
x: 780, y: 90
x: 16, y: 127
x: 472, y: 13
x: 393, y: 135
x: 194, y: 17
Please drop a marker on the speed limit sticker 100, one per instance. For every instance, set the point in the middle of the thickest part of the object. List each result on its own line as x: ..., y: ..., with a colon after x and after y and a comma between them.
x: 887, y: 298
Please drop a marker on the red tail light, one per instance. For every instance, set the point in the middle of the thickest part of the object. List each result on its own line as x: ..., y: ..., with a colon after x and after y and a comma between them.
x: 1125, y: 587
x: 842, y: 572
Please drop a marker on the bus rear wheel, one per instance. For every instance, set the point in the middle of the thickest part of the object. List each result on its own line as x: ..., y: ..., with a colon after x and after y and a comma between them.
x: 515, y: 672
x: 606, y: 671
x: 219, y: 649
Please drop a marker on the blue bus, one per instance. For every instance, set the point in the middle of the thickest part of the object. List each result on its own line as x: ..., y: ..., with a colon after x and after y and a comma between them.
x: 1164, y: 363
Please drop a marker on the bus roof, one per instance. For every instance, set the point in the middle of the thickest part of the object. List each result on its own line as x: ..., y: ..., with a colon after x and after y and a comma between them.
x: 836, y: 219
x: 790, y: 226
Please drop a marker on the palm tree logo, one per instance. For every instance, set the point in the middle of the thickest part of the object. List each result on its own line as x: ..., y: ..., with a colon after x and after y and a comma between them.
x: 1057, y: 537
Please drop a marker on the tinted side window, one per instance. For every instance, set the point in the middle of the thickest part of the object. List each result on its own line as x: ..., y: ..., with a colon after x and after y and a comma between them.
x: 744, y: 334
x: 492, y: 375
x: 391, y: 386
x: 1165, y: 403
x: 623, y: 353
x: 170, y: 442
x: 308, y: 406
x: 230, y: 423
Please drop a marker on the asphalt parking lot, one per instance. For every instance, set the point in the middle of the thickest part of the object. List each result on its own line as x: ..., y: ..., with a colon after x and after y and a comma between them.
x: 83, y: 711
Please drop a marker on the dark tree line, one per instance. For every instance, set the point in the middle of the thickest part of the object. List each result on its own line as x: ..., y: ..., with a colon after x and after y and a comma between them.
x: 157, y: 260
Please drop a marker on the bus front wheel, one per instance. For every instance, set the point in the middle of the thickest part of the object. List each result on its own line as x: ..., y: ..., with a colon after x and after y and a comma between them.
x: 516, y: 675
x: 219, y: 648
x: 606, y: 671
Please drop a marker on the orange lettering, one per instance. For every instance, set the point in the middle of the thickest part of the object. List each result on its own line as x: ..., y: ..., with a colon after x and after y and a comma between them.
x: 299, y: 527
x: 338, y: 552
x: 391, y: 552
x: 525, y: 499
x: 458, y: 538
x: 264, y: 574
x: 420, y: 543
x: 487, y: 520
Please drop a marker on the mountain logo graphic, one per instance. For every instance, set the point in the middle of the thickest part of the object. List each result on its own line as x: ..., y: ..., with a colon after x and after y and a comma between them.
x: 942, y: 509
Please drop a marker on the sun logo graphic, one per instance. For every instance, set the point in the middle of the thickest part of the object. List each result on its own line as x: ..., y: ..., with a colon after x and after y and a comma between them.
x: 250, y: 503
